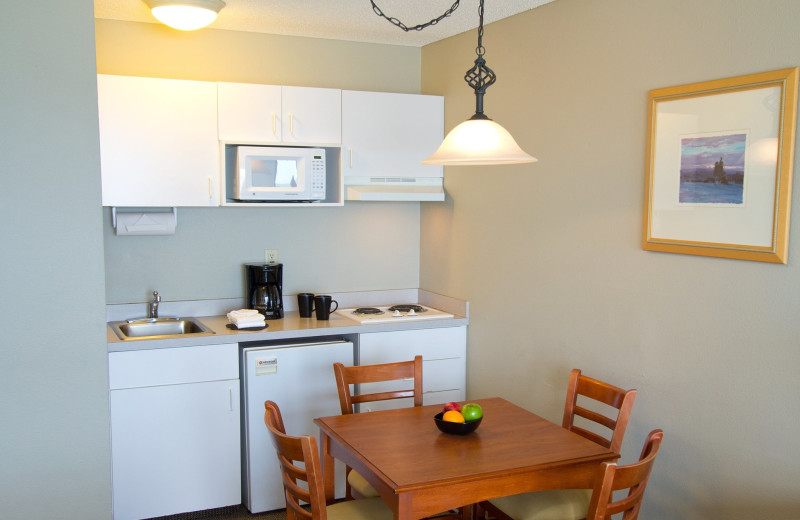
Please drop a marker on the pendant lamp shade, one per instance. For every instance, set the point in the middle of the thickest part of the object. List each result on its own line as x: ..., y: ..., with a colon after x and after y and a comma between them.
x: 185, y: 15
x: 479, y: 141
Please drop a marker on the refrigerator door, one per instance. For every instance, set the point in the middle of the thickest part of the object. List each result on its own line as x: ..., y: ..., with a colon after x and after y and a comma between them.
x: 299, y: 378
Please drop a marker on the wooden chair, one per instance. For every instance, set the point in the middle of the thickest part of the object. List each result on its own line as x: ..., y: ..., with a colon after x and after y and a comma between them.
x: 603, y: 422
x: 357, y: 486
x: 304, y: 450
x: 633, y: 477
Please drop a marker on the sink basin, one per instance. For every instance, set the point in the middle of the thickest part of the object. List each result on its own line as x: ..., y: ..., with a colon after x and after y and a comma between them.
x: 159, y: 328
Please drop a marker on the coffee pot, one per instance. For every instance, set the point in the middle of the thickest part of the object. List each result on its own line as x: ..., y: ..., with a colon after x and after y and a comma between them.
x: 265, y: 289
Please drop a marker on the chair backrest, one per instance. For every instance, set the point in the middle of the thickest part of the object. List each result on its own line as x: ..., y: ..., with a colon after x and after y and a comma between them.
x: 346, y: 376
x: 634, y: 478
x: 617, y: 398
x: 290, y: 451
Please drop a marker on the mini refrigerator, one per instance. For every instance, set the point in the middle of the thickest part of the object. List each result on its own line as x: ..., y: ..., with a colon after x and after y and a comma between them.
x: 299, y: 378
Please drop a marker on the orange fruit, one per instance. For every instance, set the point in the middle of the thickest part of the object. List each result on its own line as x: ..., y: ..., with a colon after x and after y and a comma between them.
x: 453, y: 416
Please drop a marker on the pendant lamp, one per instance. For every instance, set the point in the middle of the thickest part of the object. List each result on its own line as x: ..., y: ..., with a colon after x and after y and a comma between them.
x: 479, y: 140
x: 185, y: 15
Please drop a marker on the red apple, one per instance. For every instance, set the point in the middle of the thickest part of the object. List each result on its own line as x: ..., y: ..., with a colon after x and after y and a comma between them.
x: 452, y: 406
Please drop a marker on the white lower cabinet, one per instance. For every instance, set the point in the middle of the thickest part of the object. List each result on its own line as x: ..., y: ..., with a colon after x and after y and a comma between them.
x: 444, y: 362
x: 174, y: 430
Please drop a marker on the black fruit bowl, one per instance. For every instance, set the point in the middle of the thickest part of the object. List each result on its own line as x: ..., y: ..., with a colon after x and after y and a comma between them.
x: 454, y: 428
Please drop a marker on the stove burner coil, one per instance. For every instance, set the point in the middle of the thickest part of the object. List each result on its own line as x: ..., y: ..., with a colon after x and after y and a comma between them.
x: 367, y: 310
x: 407, y: 308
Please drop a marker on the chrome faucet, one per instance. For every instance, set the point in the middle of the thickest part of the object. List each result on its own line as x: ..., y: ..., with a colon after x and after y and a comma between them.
x: 154, y: 305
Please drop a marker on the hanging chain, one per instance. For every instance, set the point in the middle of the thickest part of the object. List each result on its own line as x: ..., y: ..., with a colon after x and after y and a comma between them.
x: 419, y: 27
x: 479, y: 50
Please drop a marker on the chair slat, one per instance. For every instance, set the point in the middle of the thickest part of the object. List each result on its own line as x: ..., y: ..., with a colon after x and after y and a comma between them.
x: 382, y: 396
x: 599, y: 418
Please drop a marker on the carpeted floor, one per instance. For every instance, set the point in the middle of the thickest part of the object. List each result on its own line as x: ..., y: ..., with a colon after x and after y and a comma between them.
x: 226, y: 513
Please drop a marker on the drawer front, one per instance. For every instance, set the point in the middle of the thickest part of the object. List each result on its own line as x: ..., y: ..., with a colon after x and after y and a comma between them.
x: 169, y: 366
x: 387, y: 347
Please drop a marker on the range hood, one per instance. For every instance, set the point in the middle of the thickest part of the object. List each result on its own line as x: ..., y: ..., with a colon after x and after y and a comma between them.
x: 394, y: 188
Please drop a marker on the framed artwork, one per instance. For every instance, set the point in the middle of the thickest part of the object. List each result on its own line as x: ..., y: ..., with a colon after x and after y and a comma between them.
x: 719, y: 167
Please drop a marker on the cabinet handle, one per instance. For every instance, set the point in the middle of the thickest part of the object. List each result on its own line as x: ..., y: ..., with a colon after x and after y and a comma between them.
x: 210, y: 195
x: 230, y: 399
x: 291, y: 123
x: 351, y: 156
x: 274, y: 129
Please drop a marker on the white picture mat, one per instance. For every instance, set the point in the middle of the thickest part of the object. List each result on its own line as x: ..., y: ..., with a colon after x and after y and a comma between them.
x: 756, y: 112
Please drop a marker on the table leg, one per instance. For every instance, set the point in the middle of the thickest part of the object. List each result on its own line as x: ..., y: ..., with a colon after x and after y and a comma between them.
x: 328, y: 474
x: 403, y: 507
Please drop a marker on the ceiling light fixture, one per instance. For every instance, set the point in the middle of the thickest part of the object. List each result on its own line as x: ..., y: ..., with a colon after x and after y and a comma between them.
x: 185, y: 15
x: 479, y: 140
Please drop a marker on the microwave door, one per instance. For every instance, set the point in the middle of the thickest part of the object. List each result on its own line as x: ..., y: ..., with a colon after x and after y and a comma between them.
x: 286, y: 176
x: 272, y: 178
x: 263, y: 172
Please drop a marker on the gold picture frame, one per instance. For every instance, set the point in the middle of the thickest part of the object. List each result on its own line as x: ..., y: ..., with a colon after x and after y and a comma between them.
x: 735, y: 207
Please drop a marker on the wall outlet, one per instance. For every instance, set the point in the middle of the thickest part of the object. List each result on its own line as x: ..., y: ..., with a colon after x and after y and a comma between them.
x: 271, y: 256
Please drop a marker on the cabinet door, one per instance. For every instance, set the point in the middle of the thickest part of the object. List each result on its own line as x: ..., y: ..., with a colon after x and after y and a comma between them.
x: 312, y: 115
x: 444, y: 366
x: 249, y: 114
x: 158, y: 142
x: 385, y: 134
x: 175, y: 448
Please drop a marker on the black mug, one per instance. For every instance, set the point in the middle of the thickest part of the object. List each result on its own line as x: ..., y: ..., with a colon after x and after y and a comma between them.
x: 322, y: 306
x: 305, y: 304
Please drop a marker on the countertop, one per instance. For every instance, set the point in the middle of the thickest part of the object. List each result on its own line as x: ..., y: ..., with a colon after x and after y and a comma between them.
x: 290, y: 327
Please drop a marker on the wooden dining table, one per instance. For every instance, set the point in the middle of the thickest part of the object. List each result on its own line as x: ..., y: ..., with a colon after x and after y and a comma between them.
x: 420, y: 471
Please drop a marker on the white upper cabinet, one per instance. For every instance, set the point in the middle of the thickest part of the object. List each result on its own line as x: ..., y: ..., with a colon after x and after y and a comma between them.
x: 249, y: 113
x: 387, y: 134
x: 312, y: 115
x: 158, y: 141
x: 269, y: 114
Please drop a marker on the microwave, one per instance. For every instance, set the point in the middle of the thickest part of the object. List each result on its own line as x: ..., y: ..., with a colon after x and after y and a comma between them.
x: 276, y: 174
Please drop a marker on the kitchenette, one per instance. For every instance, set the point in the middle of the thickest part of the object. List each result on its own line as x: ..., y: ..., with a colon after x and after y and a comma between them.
x: 187, y: 407
x: 188, y: 377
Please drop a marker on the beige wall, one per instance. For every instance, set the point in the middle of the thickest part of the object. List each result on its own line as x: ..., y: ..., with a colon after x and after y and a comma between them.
x: 549, y: 254
x: 361, y: 246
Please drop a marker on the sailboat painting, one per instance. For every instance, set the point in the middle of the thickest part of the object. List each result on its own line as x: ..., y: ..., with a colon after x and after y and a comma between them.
x: 713, y: 169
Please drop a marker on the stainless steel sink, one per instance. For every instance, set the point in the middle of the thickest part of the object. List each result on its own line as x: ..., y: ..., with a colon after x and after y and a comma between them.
x: 159, y: 328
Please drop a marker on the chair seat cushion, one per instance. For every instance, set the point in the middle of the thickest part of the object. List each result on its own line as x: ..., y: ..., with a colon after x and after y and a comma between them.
x: 360, y: 485
x: 362, y: 509
x: 557, y: 504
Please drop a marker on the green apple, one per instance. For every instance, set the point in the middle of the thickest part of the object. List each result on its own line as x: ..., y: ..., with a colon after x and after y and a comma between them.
x: 471, y: 412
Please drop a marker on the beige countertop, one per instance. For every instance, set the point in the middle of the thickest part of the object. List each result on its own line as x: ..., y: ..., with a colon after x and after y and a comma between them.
x: 291, y: 327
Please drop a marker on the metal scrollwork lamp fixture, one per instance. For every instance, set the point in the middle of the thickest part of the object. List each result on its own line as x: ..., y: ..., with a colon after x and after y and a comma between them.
x: 478, y: 140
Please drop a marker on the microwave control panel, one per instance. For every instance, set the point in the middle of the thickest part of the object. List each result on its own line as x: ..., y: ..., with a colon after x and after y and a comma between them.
x: 317, y: 177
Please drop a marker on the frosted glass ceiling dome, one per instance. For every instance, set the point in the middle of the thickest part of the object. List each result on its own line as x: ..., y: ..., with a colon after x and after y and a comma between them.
x: 185, y: 15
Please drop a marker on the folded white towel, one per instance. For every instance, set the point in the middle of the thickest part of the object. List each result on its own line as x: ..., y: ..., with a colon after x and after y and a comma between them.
x: 242, y: 313
x: 255, y: 321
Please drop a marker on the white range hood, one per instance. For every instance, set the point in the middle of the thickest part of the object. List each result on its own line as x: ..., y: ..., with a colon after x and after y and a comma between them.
x: 394, y: 188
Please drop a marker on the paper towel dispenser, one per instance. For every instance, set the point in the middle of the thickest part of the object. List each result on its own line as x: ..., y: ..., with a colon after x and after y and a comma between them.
x: 144, y: 222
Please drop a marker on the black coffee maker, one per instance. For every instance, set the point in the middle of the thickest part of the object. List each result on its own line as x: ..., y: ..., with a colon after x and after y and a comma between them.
x: 265, y: 289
